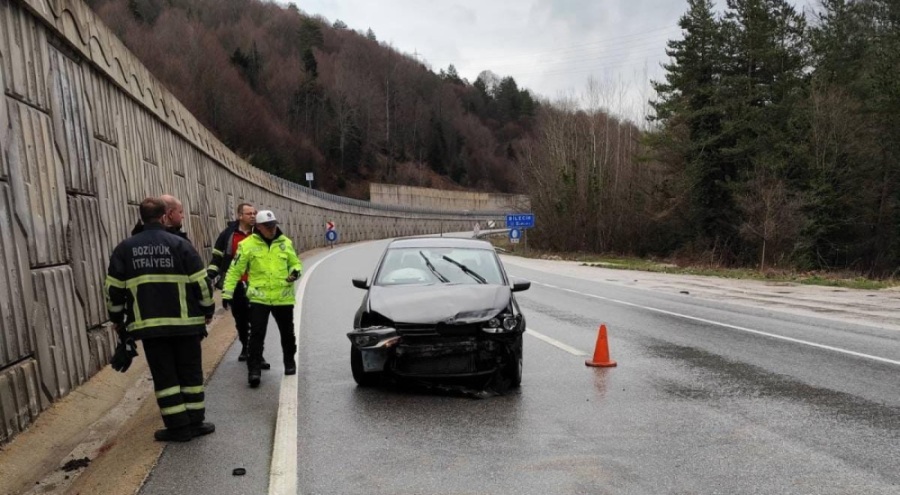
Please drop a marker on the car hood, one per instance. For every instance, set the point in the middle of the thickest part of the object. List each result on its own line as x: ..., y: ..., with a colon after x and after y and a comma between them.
x: 451, y: 304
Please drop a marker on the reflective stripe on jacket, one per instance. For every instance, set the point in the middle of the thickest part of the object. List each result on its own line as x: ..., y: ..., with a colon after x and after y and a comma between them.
x: 157, y: 285
x: 269, y: 265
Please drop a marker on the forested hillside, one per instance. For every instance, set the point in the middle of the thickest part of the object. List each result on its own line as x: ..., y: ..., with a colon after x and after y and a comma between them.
x: 295, y: 94
x: 783, y: 133
x: 773, y: 140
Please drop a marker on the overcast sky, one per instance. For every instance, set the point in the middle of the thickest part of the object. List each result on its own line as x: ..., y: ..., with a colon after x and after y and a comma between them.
x: 551, y: 47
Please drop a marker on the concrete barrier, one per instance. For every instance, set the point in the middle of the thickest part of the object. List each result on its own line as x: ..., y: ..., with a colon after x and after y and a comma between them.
x: 86, y: 132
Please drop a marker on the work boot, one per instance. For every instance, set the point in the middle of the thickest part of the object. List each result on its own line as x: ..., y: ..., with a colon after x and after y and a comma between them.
x: 244, y: 353
x: 290, y: 367
x: 200, y: 429
x: 264, y: 365
x: 180, y: 434
x: 254, y: 377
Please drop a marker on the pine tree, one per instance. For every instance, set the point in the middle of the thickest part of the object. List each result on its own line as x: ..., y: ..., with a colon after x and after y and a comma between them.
x: 689, y: 109
x: 854, y: 200
x: 763, y: 83
x: 764, y: 87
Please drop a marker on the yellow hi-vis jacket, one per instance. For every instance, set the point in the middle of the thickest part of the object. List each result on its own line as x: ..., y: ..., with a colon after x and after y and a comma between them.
x: 268, y: 265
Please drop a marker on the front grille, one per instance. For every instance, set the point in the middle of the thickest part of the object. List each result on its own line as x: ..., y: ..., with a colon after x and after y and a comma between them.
x: 414, y: 329
x: 436, y: 355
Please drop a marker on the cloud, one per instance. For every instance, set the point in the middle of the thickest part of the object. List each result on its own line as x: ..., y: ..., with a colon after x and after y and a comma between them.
x: 549, y: 47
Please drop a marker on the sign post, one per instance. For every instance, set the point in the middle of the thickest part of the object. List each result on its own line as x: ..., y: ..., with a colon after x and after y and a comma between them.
x: 523, y: 220
x: 518, y: 225
x: 331, y: 234
x: 309, y: 179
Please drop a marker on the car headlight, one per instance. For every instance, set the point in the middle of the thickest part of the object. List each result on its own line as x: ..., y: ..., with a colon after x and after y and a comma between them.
x: 364, y: 340
x: 374, y: 337
x: 501, y: 323
x: 510, y: 323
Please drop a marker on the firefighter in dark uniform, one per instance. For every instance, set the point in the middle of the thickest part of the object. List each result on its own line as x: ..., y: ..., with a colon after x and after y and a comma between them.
x: 157, y: 292
x: 173, y: 219
x: 223, y: 252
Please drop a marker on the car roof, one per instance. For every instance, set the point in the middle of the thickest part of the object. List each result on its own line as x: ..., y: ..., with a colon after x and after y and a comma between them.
x: 438, y: 242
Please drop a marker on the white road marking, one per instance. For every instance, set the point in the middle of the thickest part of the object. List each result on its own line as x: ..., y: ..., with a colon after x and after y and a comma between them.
x: 554, y: 342
x: 283, y: 470
x: 733, y: 327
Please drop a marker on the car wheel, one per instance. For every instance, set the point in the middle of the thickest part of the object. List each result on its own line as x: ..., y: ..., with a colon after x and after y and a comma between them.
x: 513, y: 371
x: 362, y: 378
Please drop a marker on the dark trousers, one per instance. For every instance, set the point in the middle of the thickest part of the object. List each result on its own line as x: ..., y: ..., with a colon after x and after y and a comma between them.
x: 259, y: 320
x: 240, y: 309
x: 176, y: 364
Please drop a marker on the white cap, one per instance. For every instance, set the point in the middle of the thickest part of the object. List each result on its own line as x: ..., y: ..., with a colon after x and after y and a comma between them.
x: 265, y: 216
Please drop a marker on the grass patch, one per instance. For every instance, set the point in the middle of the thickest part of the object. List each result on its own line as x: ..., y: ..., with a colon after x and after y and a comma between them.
x: 844, y: 279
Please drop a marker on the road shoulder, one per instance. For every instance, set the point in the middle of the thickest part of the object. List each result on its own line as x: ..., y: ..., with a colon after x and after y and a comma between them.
x: 880, y: 308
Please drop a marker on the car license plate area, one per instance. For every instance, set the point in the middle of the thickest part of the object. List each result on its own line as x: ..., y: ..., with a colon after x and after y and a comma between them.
x: 438, y: 365
x: 458, y: 330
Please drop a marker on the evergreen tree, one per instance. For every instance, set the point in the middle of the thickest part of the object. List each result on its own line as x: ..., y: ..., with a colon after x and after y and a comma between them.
x: 764, y: 88
x: 763, y: 84
x: 689, y: 109
x: 854, y: 200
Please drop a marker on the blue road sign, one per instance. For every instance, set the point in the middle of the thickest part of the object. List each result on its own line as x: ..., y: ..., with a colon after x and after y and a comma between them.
x: 520, y: 220
x: 515, y: 234
x: 331, y: 236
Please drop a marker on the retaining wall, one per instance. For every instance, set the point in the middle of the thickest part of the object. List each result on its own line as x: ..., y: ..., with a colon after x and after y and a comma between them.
x: 438, y: 199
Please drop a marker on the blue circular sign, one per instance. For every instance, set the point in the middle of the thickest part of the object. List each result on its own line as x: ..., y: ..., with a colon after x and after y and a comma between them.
x: 515, y: 233
x: 331, y: 235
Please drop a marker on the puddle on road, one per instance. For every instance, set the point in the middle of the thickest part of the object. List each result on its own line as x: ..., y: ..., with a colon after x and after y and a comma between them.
x: 721, y: 379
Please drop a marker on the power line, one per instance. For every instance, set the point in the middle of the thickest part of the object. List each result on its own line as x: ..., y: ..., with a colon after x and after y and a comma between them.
x: 644, y: 49
x: 609, y: 42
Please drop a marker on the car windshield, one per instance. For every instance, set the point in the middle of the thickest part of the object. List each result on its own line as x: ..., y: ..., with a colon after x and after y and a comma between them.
x: 430, y: 265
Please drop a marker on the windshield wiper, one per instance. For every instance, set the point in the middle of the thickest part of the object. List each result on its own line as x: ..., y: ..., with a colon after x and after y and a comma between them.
x: 433, y: 269
x: 468, y: 271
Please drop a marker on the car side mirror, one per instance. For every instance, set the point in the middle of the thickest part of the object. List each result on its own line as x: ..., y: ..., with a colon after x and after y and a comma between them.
x: 361, y: 283
x: 521, y: 285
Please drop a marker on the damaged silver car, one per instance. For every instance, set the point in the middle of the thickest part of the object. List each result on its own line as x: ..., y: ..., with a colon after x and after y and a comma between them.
x: 438, y: 308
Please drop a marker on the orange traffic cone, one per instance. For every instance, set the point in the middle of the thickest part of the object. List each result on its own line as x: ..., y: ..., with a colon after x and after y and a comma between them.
x: 601, y: 352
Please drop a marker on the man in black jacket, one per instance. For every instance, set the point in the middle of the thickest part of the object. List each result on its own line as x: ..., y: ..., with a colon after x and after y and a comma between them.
x: 157, y: 292
x: 173, y: 219
x: 222, y: 254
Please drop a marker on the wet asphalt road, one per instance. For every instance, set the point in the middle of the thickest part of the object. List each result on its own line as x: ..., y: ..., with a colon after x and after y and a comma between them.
x: 693, y: 406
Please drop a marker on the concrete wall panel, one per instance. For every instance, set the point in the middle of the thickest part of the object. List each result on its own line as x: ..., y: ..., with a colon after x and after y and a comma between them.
x: 59, y: 331
x: 25, y: 61
x: 102, y: 343
x: 15, y: 285
x: 70, y: 123
x: 19, y: 398
x: 112, y: 195
x: 38, y: 188
x: 88, y: 263
x: 103, y: 105
x: 130, y: 151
